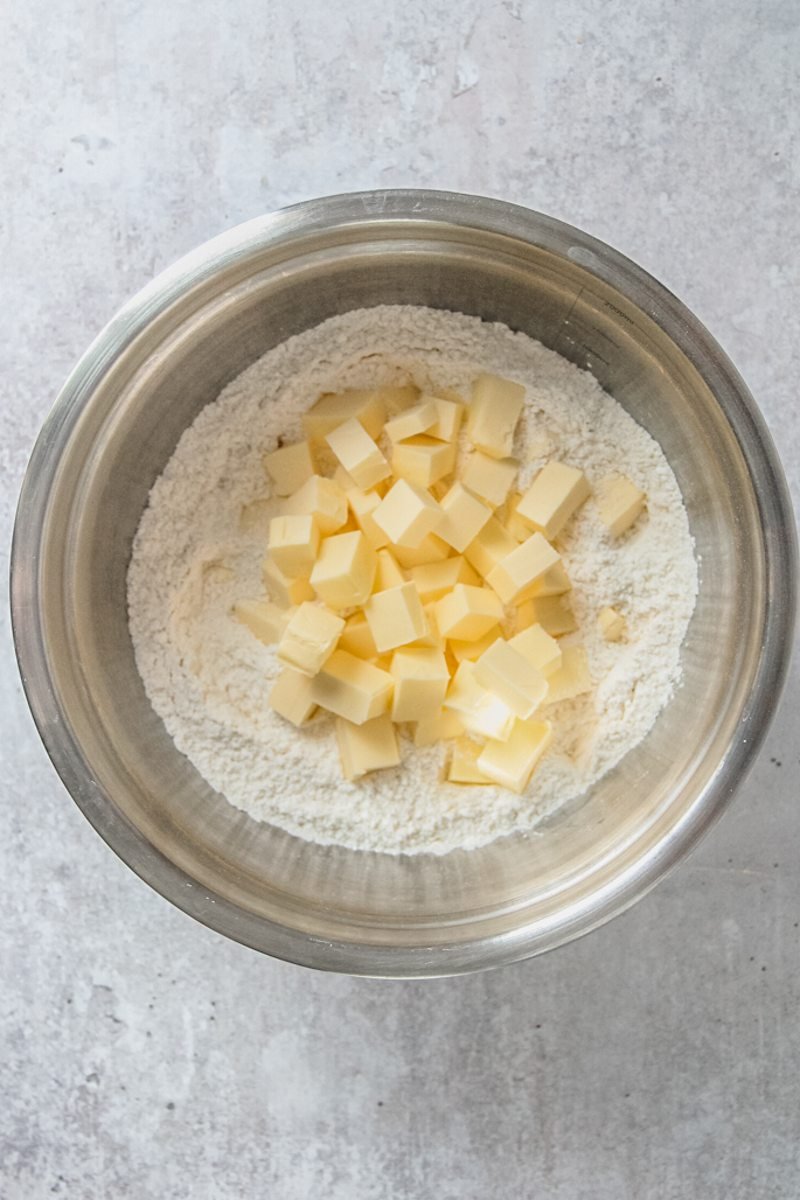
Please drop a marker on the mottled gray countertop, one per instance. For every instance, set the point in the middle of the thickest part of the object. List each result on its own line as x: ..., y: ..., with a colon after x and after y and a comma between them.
x: 143, y: 1056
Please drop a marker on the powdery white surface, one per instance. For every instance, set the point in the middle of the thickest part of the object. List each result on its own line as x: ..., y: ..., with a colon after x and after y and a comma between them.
x: 201, y: 542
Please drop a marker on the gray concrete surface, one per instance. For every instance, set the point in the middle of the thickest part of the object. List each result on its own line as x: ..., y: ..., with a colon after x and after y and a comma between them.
x: 143, y: 1056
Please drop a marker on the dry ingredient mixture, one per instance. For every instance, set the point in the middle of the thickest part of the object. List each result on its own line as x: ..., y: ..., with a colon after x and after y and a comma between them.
x: 199, y: 551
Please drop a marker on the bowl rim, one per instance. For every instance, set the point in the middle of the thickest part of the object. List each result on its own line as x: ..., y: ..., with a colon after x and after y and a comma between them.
x: 464, y: 211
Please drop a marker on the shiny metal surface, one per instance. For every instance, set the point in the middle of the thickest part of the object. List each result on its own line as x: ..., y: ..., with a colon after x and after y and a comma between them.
x: 115, y: 424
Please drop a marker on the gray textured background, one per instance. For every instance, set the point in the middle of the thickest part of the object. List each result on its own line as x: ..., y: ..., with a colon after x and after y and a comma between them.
x: 141, y: 1055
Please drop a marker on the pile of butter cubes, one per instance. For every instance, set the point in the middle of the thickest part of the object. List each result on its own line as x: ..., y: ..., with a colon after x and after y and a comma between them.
x: 410, y: 583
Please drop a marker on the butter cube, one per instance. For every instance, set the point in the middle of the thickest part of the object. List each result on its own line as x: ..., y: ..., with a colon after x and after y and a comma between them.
x: 321, y: 499
x: 389, y: 573
x: 464, y: 517
x: 357, y: 637
x: 310, y: 638
x: 510, y: 675
x: 421, y: 679
x: 395, y: 617
x: 334, y: 409
x: 467, y: 612
x: 344, y: 480
x: 553, y: 613
x: 397, y: 399
x: 554, y: 582
x: 358, y: 454
x: 489, y: 478
x: 463, y: 765
x: 371, y: 746
x: 291, y: 699
x: 449, y: 415
x: 437, y: 728
x: 612, y: 624
x: 479, y: 710
x: 407, y: 514
x: 352, y: 688
x: 345, y: 570
x: 493, y: 414
x: 289, y: 467
x: 511, y: 763
x: 431, y: 636
x: 514, y: 575
x: 423, y: 460
x: 540, y: 649
x: 471, y: 651
x: 283, y: 589
x: 513, y: 521
x: 430, y: 550
x: 555, y: 495
x: 620, y: 503
x: 264, y: 620
x: 362, y: 506
x: 418, y: 419
x: 490, y: 547
x: 434, y: 580
x: 572, y: 678
x: 294, y: 544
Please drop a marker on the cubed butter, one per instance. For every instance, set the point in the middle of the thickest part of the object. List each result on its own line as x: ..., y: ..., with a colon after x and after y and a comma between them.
x: 572, y: 678
x: 283, y: 589
x: 463, y: 764
x: 430, y: 550
x: 472, y: 650
x: 389, y: 573
x: 290, y: 697
x: 493, y: 414
x: 362, y: 506
x: 407, y: 514
x: 418, y: 419
x: 553, y: 613
x: 539, y: 648
x: 358, y: 453
x: 612, y: 624
x: 294, y: 544
x: 310, y: 638
x: 264, y: 620
x: 479, y: 710
x: 510, y: 675
x: 513, y: 577
x: 345, y: 570
x: 289, y: 467
x: 322, y: 499
x: 434, y: 580
x: 333, y: 409
x: 555, y: 495
x: 449, y: 415
x: 491, y: 546
x: 357, y: 637
x: 395, y: 617
x: 467, y: 612
x: 421, y: 679
x: 431, y: 636
x: 423, y: 460
x: 464, y: 516
x: 437, y: 728
x: 620, y: 503
x: 352, y: 688
x: 371, y: 746
x: 554, y: 582
x: 511, y: 763
x: 511, y: 519
x: 489, y: 478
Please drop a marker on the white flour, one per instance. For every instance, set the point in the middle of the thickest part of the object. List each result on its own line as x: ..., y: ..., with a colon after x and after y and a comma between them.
x: 195, y: 555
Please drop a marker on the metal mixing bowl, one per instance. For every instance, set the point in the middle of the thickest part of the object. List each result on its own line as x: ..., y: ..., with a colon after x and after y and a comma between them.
x: 170, y: 351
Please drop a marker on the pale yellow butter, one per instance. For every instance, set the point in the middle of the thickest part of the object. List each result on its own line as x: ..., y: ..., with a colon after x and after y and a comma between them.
x: 489, y: 478
x: 395, y: 617
x: 510, y: 675
x: 513, y: 577
x: 421, y: 679
x: 290, y: 697
x: 449, y: 415
x: 491, y: 546
x: 407, y: 514
x: 371, y: 746
x: 363, y: 505
x: 553, y: 613
x: 283, y: 589
x: 323, y: 499
x: 333, y: 409
x: 289, y: 467
x: 345, y: 570
x: 310, y: 638
x: 555, y: 495
x: 479, y: 710
x: 358, y: 453
x: 352, y: 688
x: 612, y: 624
x: 539, y: 648
x: 357, y: 637
x: 264, y: 620
x: 423, y: 460
x: 437, y: 728
x: 294, y: 544
x: 389, y: 573
x: 472, y: 650
x: 434, y: 580
x: 467, y: 612
x: 493, y: 414
x: 430, y: 550
x: 418, y: 419
x: 554, y: 582
x: 464, y: 516
x: 511, y: 763
x: 463, y: 764
x: 620, y: 503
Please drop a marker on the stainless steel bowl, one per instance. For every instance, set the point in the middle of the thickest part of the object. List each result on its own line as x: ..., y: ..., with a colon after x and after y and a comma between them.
x: 170, y: 351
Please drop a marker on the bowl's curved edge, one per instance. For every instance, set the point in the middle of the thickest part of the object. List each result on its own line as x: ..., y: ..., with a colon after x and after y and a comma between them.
x: 468, y: 211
